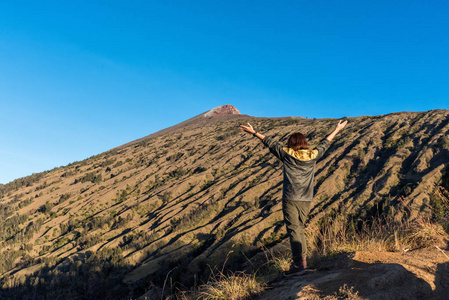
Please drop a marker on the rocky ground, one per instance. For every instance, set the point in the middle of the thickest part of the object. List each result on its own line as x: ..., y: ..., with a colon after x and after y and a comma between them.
x: 418, y: 274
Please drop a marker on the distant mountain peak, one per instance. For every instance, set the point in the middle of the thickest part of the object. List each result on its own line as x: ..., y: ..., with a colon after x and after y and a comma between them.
x: 227, y: 109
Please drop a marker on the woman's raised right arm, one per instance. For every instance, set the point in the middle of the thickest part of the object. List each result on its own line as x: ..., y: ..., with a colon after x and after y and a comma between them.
x: 339, y: 127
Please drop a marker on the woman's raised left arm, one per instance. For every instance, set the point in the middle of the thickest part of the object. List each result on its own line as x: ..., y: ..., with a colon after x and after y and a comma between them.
x: 251, y: 130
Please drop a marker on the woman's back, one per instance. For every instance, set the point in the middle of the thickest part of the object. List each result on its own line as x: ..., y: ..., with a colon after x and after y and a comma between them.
x: 299, y: 169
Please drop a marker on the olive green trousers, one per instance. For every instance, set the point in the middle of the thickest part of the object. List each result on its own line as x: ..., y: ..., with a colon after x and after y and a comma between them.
x: 295, y: 216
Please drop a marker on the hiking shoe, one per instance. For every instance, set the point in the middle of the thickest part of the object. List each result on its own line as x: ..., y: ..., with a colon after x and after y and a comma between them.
x: 295, y: 270
x: 304, y: 264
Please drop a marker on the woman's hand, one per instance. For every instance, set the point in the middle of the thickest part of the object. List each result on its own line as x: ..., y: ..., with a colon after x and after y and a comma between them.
x: 339, y: 127
x: 248, y: 128
x: 341, y: 124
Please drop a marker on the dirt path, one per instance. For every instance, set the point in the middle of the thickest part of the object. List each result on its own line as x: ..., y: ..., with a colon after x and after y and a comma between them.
x: 419, y: 274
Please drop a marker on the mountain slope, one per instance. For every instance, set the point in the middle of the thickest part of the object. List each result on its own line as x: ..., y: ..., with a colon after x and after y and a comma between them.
x: 180, y: 201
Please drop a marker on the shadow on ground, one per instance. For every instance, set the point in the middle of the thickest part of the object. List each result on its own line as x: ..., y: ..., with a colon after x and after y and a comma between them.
x: 346, y: 277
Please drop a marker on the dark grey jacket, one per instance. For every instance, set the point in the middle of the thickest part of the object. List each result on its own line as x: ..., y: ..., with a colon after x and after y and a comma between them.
x: 299, y: 168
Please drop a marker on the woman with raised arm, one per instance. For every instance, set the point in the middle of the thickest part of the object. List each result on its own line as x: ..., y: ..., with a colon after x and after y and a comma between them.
x: 297, y: 193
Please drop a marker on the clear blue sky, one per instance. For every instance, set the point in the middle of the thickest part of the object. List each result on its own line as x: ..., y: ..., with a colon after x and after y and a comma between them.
x: 80, y: 77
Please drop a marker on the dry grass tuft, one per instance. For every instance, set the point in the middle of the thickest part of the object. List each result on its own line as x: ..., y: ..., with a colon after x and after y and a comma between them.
x: 336, y: 236
x: 231, y: 287
x: 346, y: 292
x: 278, y: 261
x: 423, y: 233
x: 282, y: 262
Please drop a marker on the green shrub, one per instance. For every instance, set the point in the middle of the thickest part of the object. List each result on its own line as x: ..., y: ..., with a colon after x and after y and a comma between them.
x: 165, y: 197
x: 92, y: 177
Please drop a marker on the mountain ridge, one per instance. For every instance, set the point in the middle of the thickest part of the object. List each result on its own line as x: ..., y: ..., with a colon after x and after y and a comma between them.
x: 216, y: 114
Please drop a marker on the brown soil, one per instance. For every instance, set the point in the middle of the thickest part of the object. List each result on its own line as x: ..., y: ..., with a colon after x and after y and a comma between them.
x: 418, y: 274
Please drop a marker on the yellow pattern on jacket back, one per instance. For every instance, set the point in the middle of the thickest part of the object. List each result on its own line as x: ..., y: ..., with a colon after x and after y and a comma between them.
x: 302, y: 154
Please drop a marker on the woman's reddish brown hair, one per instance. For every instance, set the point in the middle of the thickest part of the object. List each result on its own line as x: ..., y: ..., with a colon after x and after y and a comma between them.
x: 297, y: 141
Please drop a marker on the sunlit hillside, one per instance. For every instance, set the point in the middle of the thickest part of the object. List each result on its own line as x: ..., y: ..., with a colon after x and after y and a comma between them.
x: 173, y: 206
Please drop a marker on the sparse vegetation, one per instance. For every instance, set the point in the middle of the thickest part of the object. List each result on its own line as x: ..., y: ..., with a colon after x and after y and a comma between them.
x: 195, y: 217
x: 439, y: 200
x: 165, y: 197
x: 233, y: 286
x: 347, y: 292
x: 121, y: 196
x: 333, y: 236
x: 90, y: 177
